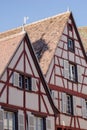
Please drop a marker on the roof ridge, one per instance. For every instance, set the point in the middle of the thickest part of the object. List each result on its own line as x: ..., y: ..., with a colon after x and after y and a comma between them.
x: 47, y: 18
x: 35, y: 22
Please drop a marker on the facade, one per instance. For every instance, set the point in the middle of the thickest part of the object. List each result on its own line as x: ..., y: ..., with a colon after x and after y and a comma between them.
x: 60, y: 64
x: 25, y: 101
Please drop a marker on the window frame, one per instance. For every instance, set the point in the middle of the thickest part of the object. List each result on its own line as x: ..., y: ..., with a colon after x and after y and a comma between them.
x: 86, y: 106
x: 14, y: 120
x: 69, y: 104
x: 39, y: 123
x: 21, y: 80
x: 24, y: 81
x: 73, y: 72
x: 71, y: 45
x: 28, y: 84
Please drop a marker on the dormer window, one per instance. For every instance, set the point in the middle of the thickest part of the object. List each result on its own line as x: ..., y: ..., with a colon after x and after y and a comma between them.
x: 71, y: 45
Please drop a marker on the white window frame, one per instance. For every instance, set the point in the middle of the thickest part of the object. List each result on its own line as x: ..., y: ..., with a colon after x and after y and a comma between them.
x: 39, y: 123
x: 69, y: 106
x: 21, y: 80
x: 27, y: 84
x: 86, y: 107
x: 70, y: 45
x: 7, y: 127
x: 72, y: 72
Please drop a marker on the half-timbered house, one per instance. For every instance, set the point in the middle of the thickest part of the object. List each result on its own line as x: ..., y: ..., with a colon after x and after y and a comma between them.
x: 62, y: 59
x: 25, y: 100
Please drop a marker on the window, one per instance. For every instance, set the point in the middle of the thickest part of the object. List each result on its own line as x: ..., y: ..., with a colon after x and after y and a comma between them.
x: 86, y: 107
x: 72, y: 72
x: 70, y: 45
x: 21, y: 81
x: 9, y: 120
x: 69, y: 105
x: 39, y: 123
x: 28, y: 83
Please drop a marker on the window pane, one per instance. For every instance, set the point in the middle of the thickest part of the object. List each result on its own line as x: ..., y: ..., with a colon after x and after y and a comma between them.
x: 9, y: 120
x: 5, y: 120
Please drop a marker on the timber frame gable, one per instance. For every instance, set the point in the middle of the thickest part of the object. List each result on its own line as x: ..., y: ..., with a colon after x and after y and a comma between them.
x: 66, y: 77
x: 15, y: 94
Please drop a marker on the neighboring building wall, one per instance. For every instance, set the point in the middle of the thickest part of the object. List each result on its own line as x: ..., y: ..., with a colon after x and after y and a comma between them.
x: 23, y: 100
x: 67, y: 78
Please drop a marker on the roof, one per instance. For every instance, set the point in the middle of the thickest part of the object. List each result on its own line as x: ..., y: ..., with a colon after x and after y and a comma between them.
x: 8, y: 47
x: 83, y: 35
x: 44, y: 35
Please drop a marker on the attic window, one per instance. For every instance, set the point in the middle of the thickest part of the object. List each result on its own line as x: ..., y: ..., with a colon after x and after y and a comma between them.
x: 71, y: 44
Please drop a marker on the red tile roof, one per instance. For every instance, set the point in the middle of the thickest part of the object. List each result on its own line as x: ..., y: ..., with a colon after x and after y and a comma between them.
x: 44, y: 35
x: 8, y: 47
x: 83, y: 35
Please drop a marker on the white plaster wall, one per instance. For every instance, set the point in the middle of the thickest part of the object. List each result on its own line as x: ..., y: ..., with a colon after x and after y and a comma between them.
x: 1, y: 86
x: 31, y: 61
x: 81, y: 54
x: 43, y: 108
x: 83, y: 62
x: 64, y: 38
x: 77, y: 44
x: 15, y: 97
x: 42, y: 88
x: 32, y: 101
x: 48, y: 104
x: 52, y: 122
x: 70, y: 85
x: 4, y: 77
x: 71, y: 56
x: 28, y: 68
x: 65, y: 120
x: 78, y: 60
x: 82, y: 121
x: 59, y: 81
x: 60, y: 44
x: 65, y: 56
x: 3, y: 97
x: 20, y: 65
x: 84, y: 89
x: 70, y: 34
x: 57, y: 70
x: 58, y: 52
x: 75, y: 36
x: 52, y: 78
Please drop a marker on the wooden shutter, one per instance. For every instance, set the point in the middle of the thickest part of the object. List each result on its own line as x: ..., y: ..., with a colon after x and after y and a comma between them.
x: 64, y: 101
x: 74, y: 105
x: 16, y: 79
x: 79, y: 73
x: 34, y: 84
x: 21, y: 122
x: 31, y: 122
x: 1, y: 119
x: 48, y: 124
x: 83, y: 108
x: 66, y: 69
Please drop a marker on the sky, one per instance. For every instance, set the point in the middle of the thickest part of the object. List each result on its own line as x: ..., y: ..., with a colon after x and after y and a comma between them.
x: 12, y: 12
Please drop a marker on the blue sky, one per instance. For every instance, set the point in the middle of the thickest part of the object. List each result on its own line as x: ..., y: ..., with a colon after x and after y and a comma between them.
x: 12, y: 12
